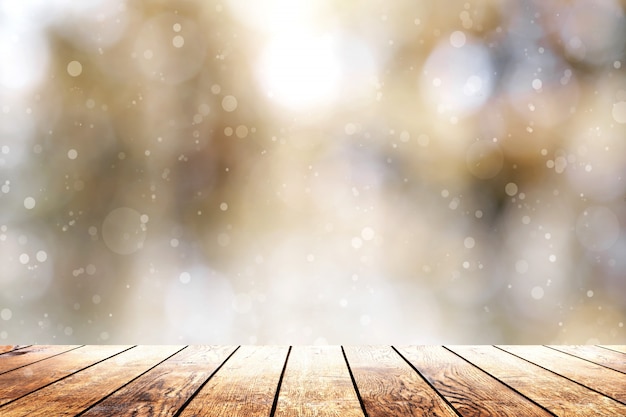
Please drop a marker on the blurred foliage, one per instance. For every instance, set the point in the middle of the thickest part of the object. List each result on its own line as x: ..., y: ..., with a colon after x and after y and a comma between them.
x: 312, y: 172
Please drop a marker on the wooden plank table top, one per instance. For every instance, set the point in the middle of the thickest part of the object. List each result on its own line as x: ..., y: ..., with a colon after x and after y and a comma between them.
x: 368, y: 381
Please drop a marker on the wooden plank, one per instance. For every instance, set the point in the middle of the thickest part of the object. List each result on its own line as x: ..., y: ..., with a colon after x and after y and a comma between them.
x: 163, y: 390
x: 557, y: 394
x: 471, y: 391
x: 616, y: 348
x: 245, y: 386
x: 390, y: 387
x: 77, y: 392
x: 17, y: 358
x: 317, y: 383
x: 596, y: 354
x: 19, y: 382
x: 607, y: 381
x: 9, y: 348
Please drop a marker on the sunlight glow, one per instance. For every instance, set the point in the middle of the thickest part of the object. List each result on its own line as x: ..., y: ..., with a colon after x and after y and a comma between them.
x: 300, y: 70
x: 273, y: 16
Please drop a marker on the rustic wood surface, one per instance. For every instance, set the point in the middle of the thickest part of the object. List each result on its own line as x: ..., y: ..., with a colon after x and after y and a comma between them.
x: 601, y: 356
x: 617, y: 348
x: 9, y: 348
x: 390, y: 387
x: 245, y: 386
x: 164, y: 389
x: 17, y: 358
x: 367, y: 381
x: 596, y: 377
x: 557, y: 394
x: 467, y: 388
x: 71, y: 395
x: 29, y: 379
x: 317, y: 382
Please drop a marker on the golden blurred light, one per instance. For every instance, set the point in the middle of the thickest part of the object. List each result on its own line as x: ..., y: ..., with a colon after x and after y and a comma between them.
x: 293, y: 171
x: 278, y: 17
x: 170, y: 48
x: 24, y: 53
x: 484, y: 159
x: 300, y: 70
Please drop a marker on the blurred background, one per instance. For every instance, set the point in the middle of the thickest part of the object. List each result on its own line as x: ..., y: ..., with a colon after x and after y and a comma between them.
x: 298, y: 172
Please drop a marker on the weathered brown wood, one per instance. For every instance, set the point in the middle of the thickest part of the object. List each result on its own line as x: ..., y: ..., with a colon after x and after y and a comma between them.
x: 17, y: 358
x: 77, y: 392
x: 19, y: 382
x: 317, y: 383
x: 607, y: 381
x: 557, y: 394
x: 596, y: 354
x: 244, y: 386
x: 390, y: 387
x: 471, y: 391
x: 8, y: 348
x: 616, y: 348
x: 201, y: 380
x: 163, y: 390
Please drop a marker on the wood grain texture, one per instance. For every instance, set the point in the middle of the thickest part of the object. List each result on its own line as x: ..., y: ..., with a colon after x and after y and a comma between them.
x: 17, y: 358
x: 77, y: 392
x: 9, y: 348
x: 616, y: 348
x: 481, y: 381
x: 163, y: 390
x: 596, y: 354
x: 559, y: 395
x: 607, y: 381
x: 245, y: 386
x: 470, y: 390
x: 390, y: 387
x: 317, y: 383
x: 19, y: 382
